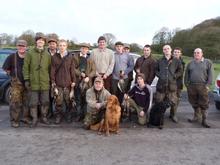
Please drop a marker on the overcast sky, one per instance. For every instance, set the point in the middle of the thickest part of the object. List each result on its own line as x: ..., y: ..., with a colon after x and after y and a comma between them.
x: 85, y: 20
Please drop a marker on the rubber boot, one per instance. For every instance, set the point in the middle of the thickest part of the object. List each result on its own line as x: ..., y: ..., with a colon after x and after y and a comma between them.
x: 44, y: 112
x: 34, y: 115
x: 26, y: 115
x: 173, y: 114
x: 196, y: 117
x: 204, y: 119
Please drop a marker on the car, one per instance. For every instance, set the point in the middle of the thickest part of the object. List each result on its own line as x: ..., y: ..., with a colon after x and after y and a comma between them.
x: 216, y: 92
x: 4, y: 78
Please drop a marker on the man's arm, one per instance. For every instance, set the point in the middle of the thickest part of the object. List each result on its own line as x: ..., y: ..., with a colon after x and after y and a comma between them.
x: 26, y: 67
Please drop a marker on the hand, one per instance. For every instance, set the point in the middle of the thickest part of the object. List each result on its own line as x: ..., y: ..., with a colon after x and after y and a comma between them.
x: 207, y: 87
x: 125, y: 96
x: 83, y: 74
x: 86, y: 79
x: 141, y: 113
x: 73, y: 84
x: 53, y: 85
x: 27, y: 85
x: 98, y: 105
x: 56, y: 92
x: 105, y: 76
x: 71, y: 94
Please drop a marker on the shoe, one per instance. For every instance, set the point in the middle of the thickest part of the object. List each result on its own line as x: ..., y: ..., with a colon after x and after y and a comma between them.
x: 205, y: 125
x: 26, y: 121
x: 34, y: 124
x: 45, y: 121
x: 194, y: 120
x: 57, y: 120
x: 160, y: 127
x: 174, y: 119
x: 15, y: 124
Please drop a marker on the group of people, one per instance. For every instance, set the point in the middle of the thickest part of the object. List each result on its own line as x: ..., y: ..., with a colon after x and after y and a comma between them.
x: 54, y: 82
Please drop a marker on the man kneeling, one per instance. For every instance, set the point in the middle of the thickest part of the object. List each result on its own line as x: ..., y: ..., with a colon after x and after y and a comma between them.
x: 96, y: 98
x: 140, y: 99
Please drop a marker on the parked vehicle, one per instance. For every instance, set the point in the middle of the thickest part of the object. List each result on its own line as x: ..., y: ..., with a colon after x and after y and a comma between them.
x: 4, y: 78
x: 216, y: 92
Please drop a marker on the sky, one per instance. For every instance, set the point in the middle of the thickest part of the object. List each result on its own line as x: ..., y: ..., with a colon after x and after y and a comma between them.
x: 130, y: 21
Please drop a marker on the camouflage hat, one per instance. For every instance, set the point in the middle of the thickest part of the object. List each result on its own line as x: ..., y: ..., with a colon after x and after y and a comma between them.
x: 85, y: 45
x: 40, y: 35
x: 51, y: 39
x: 98, y: 79
x: 21, y: 43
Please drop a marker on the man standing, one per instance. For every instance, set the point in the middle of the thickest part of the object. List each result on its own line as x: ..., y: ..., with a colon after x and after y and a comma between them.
x: 52, y: 45
x: 177, y: 53
x: 85, y: 72
x: 104, y: 62
x: 63, y: 80
x: 146, y: 65
x: 36, y: 75
x: 52, y: 49
x: 168, y: 69
x: 130, y: 74
x: 19, y: 99
x: 96, y: 98
x: 198, y: 78
x: 123, y: 65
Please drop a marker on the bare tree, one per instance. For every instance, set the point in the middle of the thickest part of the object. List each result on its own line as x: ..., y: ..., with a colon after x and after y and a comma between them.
x: 28, y: 35
x: 110, y: 39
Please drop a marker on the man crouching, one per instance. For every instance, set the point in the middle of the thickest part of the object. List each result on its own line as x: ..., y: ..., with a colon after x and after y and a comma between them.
x: 96, y: 98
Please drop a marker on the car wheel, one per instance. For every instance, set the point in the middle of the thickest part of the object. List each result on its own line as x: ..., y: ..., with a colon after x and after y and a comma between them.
x: 7, y: 95
x: 217, y: 105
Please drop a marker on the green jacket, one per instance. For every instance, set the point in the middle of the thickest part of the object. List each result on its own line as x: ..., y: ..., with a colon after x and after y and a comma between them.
x: 36, y: 69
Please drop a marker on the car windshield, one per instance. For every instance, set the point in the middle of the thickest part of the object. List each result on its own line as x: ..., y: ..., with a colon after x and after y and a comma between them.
x: 3, y: 56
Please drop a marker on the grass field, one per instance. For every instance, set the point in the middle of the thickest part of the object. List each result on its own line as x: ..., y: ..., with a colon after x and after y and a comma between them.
x: 188, y: 59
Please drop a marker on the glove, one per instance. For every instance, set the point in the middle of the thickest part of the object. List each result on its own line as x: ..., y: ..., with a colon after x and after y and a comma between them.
x: 56, y: 92
x: 71, y: 94
x: 53, y: 85
x: 27, y: 85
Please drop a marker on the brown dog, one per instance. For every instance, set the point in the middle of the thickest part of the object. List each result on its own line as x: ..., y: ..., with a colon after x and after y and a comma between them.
x: 112, y: 117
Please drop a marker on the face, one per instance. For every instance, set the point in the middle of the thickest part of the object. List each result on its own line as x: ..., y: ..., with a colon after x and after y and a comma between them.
x: 98, y: 85
x: 198, y: 54
x: 52, y: 45
x: 126, y: 50
x: 102, y: 44
x: 21, y: 49
x: 167, y: 50
x: 147, y: 51
x: 119, y: 48
x: 40, y: 42
x: 140, y: 81
x: 62, y: 47
x: 177, y: 53
x: 84, y: 50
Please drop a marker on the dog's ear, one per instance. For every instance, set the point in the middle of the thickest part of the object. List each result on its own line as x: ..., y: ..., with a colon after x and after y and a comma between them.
x: 116, y: 101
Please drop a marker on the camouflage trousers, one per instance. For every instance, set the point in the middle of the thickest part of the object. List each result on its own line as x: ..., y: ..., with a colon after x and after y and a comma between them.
x: 63, y: 99
x: 173, y: 108
x: 93, y: 118
x: 142, y: 120
x: 18, y: 102
x: 198, y: 96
